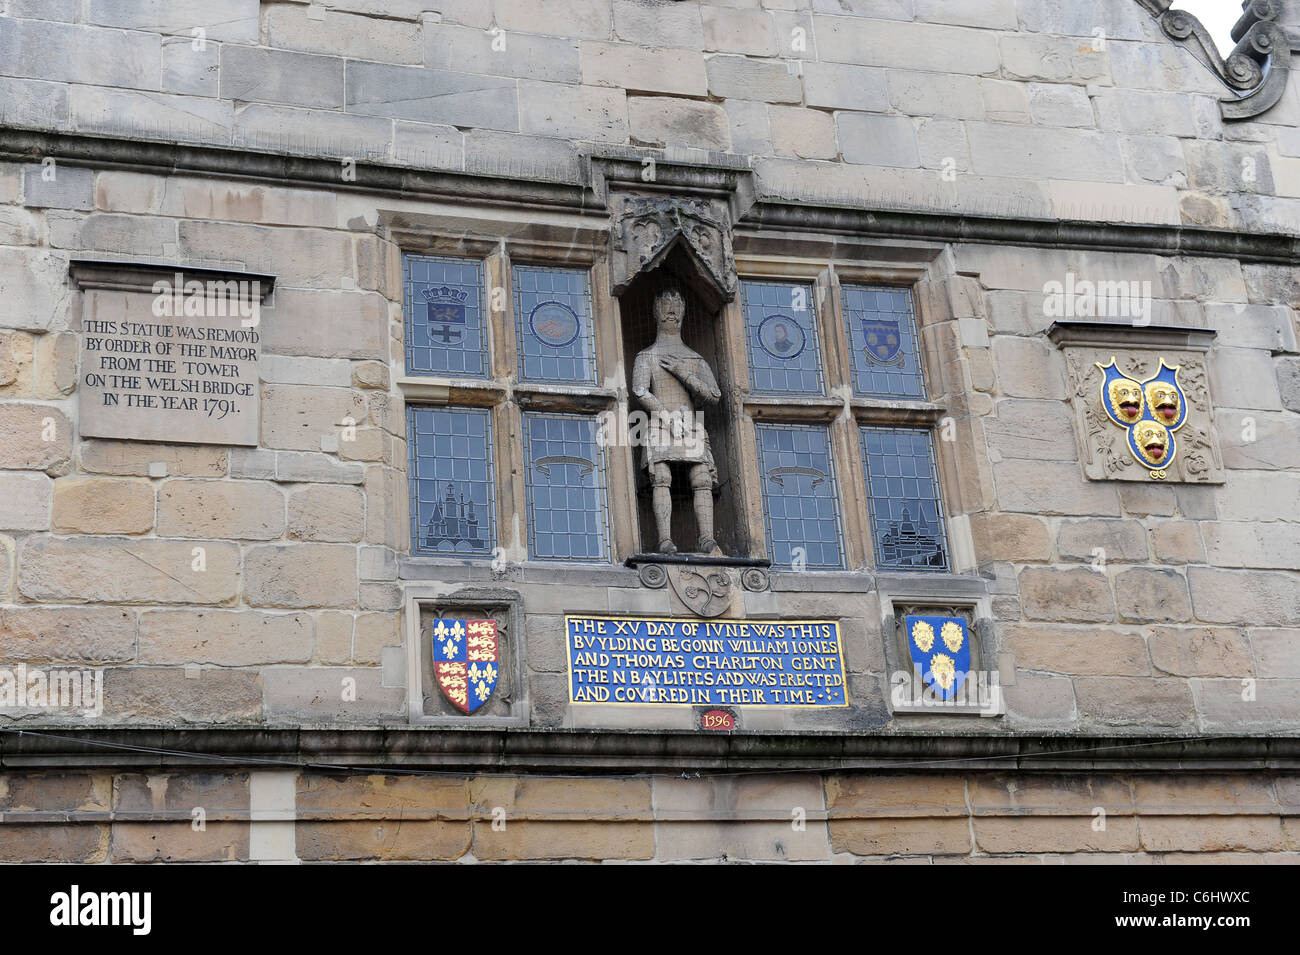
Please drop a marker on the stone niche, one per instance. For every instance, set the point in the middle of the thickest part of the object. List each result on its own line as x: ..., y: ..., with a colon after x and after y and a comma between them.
x: 1138, y: 352
x: 169, y: 353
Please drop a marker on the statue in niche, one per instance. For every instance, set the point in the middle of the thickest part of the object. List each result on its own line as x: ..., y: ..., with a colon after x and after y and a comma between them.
x: 671, y: 381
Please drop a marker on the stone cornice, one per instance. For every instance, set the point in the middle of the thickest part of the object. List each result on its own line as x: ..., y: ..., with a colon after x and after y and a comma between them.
x: 474, y: 750
x: 1117, y: 335
x: 22, y: 145
x: 131, y: 276
x: 1258, y: 66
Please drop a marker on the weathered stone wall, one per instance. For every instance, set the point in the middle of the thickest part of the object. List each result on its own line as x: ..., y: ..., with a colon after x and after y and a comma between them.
x: 995, y: 106
x: 956, y: 818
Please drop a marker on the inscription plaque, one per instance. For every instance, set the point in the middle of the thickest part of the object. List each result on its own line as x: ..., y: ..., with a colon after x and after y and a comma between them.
x: 623, y: 660
x: 170, y: 367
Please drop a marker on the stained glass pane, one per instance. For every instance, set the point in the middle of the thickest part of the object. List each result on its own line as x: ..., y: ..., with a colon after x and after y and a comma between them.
x: 906, y: 514
x: 882, y: 341
x: 444, y: 317
x: 553, y: 316
x: 799, y: 498
x: 781, y: 331
x: 566, y: 488
x: 453, y: 510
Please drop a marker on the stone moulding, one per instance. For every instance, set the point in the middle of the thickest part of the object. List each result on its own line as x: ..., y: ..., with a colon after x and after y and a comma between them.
x: 1258, y: 66
x: 127, y: 276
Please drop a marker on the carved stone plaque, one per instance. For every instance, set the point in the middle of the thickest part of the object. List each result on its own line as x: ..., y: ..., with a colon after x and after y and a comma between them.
x: 1144, y: 415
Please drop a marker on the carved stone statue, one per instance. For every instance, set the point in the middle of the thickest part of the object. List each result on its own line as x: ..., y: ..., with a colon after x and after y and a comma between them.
x: 671, y: 381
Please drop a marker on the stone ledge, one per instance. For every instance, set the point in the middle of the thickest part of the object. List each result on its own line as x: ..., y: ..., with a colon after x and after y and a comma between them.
x: 499, y: 750
x: 129, y: 276
x: 1117, y: 335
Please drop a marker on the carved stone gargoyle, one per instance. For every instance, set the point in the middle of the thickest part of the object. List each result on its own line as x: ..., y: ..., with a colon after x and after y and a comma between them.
x: 649, y: 228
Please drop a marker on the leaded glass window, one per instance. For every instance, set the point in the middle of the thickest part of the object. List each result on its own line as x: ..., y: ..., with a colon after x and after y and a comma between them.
x: 903, y: 489
x: 781, y: 332
x: 800, y: 503
x: 553, y: 317
x: 566, y: 488
x: 882, y: 341
x: 445, y: 332
x: 453, y: 508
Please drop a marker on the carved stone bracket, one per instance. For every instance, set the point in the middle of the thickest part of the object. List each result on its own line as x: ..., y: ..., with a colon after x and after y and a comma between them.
x: 1257, y: 68
x: 648, y: 228
x: 706, y: 586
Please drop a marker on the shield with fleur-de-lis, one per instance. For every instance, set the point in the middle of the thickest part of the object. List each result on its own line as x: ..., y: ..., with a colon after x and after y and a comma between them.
x: 940, y: 648
x: 465, y: 661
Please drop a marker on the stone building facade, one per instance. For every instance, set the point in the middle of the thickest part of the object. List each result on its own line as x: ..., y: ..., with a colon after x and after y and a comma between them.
x: 440, y: 227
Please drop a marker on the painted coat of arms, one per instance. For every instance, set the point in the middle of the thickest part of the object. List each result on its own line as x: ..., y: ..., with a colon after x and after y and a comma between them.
x: 884, y: 341
x: 1150, y: 411
x: 446, y: 316
x: 465, y: 661
x: 940, y: 648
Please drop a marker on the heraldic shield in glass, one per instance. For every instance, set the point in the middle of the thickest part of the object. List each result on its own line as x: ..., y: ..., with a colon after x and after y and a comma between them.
x: 1150, y: 411
x: 940, y: 648
x: 465, y: 661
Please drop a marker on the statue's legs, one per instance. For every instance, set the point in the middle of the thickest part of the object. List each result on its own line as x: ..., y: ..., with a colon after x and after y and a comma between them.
x: 702, y: 486
x: 662, y: 504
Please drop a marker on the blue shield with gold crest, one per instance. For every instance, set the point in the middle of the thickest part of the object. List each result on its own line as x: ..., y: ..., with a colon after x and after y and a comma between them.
x: 446, y: 314
x: 465, y: 661
x: 1150, y: 411
x: 883, y: 341
x: 940, y: 648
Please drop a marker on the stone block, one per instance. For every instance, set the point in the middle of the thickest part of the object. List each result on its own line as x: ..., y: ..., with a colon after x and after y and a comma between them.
x: 802, y: 133
x: 1134, y: 701
x: 225, y: 510
x: 1034, y: 153
x: 1251, y: 598
x: 730, y: 30
x: 25, y: 502
x: 658, y: 25
x: 299, y: 256
x: 942, y: 145
x: 484, y: 149
x: 327, y: 324
x: 326, y: 513
x: 1052, y: 487
x: 301, y: 575
x: 900, y: 837
x: 305, y: 467
x: 1056, y: 833
x: 1179, y: 542
x: 33, y: 103
x: 1018, y: 538
x: 1274, y: 546
x: 842, y: 86
x: 234, y: 638
x: 298, y: 417
x: 175, y: 695
x: 150, y: 115
x: 1124, y: 541
x: 739, y: 77
x: 1213, y: 834
x: 1218, y: 651
x: 190, y: 71
x: 103, y: 506
x: 259, y: 75
x: 1026, y: 794
x: 72, y: 53
x: 288, y: 129
x: 571, y: 112
x: 179, y: 842
x: 936, y: 94
x: 907, y: 46
x: 1029, y: 368
x: 772, y: 838
x: 226, y: 21
x: 466, y: 50
x: 1261, y: 496
x: 86, y: 635
x: 566, y: 18
x: 877, y: 140
x: 1143, y: 500
x: 1079, y: 651
x: 644, y: 70
x: 433, y: 96
x: 399, y: 840
x: 1074, y: 596
x: 1276, y: 654
x: 425, y: 144
x: 361, y: 37
x: 333, y: 637
x: 1060, y: 104
x: 1038, y: 430
x: 374, y: 631
x: 58, y: 187
x: 46, y: 843
x: 332, y: 695
x: 37, y: 438
x: 661, y: 121
x: 128, y: 570
x: 1150, y: 595
x: 138, y: 459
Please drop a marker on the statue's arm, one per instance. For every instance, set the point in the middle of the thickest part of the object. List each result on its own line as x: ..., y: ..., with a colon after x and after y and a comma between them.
x: 703, y: 384
x: 641, y: 384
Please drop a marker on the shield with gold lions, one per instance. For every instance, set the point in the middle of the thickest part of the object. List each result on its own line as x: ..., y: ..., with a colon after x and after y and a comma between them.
x: 940, y: 648
x: 465, y: 661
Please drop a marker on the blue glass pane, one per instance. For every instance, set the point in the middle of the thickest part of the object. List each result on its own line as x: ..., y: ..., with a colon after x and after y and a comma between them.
x: 799, y: 498
x: 444, y: 317
x: 906, y: 514
x: 566, y: 488
x: 882, y: 341
x: 781, y: 329
x: 553, y: 315
x: 453, y: 510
